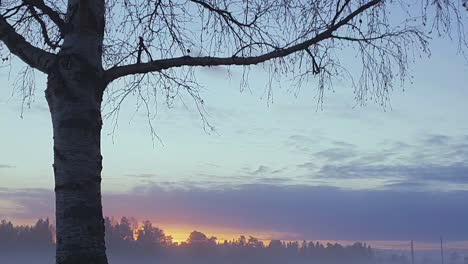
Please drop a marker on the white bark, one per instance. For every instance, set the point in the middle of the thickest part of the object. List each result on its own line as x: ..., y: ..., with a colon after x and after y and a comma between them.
x: 74, y: 94
x: 85, y: 30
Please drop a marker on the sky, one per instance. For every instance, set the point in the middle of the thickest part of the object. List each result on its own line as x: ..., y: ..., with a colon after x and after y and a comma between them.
x: 285, y: 168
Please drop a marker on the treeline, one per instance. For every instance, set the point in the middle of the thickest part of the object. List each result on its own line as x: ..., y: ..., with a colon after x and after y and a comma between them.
x: 131, y: 242
x: 122, y: 240
x: 38, y: 237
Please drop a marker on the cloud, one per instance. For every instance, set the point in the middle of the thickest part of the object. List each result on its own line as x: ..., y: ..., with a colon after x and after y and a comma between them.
x: 261, y: 170
x: 28, y: 203
x: 302, y: 143
x: 307, y: 165
x: 343, y: 144
x: 142, y: 175
x: 438, y: 140
x: 282, y: 170
x: 405, y: 185
x: 336, y: 154
x: 433, y: 159
x: 275, y: 181
x: 451, y: 173
x: 313, y: 212
x: 6, y: 166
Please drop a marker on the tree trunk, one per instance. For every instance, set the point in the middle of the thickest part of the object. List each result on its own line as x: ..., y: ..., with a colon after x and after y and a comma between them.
x: 74, y: 94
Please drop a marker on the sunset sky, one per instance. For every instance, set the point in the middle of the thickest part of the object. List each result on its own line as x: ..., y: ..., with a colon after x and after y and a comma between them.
x: 285, y: 169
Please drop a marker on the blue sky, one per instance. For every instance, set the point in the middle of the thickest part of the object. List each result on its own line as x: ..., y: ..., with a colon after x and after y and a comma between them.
x: 417, y: 148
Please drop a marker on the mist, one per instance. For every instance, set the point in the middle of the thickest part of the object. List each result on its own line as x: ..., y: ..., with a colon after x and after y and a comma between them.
x: 131, y: 241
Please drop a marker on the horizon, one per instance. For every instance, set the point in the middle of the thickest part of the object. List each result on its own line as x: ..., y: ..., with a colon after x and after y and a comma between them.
x: 181, y: 236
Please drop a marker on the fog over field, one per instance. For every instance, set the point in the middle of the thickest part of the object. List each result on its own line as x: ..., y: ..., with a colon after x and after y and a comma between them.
x: 130, y: 241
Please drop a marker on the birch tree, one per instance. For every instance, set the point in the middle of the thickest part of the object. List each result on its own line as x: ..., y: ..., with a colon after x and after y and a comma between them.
x: 85, y: 47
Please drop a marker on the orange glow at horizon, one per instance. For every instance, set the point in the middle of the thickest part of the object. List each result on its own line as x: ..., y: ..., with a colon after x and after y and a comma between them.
x: 180, y: 232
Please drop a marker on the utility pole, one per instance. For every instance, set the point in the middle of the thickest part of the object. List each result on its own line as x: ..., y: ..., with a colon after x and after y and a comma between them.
x: 412, y: 252
x: 441, y: 251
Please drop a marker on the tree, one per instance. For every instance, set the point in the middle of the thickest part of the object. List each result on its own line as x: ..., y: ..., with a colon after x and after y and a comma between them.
x: 198, y: 239
x: 153, y: 46
x: 254, y: 242
x: 119, y: 235
x: 125, y: 229
x: 275, y: 245
x: 8, y: 236
x: 152, y: 239
x: 17, y: 239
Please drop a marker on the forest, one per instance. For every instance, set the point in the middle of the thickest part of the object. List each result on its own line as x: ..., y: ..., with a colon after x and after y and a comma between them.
x: 130, y: 241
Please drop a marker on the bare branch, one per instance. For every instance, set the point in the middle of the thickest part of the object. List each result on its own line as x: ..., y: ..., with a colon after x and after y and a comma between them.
x: 339, y: 10
x: 52, y: 14
x: 12, y: 11
x: 163, y: 64
x: 17, y: 44
x: 226, y: 15
x: 43, y: 26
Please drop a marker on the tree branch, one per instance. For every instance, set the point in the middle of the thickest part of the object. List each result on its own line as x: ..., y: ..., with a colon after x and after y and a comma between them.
x: 162, y: 64
x: 52, y: 14
x: 43, y: 25
x: 17, y: 44
x: 339, y: 10
x: 226, y: 15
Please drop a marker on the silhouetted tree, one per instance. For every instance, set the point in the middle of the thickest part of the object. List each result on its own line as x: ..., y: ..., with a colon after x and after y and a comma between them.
x: 120, y: 235
x: 38, y: 237
x: 84, y: 45
x: 253, y: 242
x: 8, y: 236
x: 304, y: 250
x: 242, y: 240
x: 153, y: 245
x: 275, y: 244
x: 152, y: 239
x: 198, y: 238
x: 455, y: 258
x: 125, y: 229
